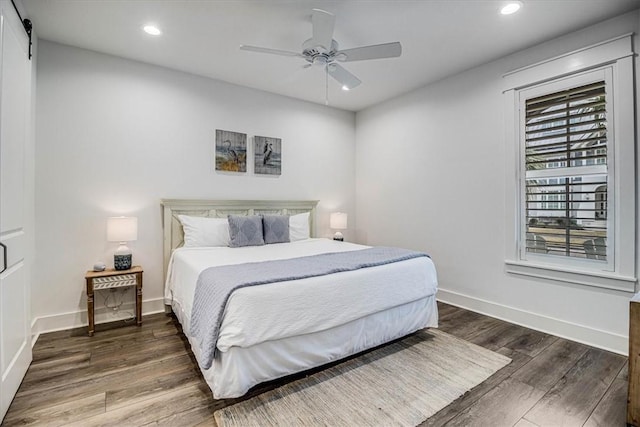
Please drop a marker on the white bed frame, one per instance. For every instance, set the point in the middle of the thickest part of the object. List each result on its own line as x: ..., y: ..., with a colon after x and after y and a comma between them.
x: 173, y: 235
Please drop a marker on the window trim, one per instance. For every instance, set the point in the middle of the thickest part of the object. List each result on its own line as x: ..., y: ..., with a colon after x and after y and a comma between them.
x: 616, y: 54
x: 569, y: 275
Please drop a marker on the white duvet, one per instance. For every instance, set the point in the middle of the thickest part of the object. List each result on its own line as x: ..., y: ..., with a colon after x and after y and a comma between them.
x: 263, y: 313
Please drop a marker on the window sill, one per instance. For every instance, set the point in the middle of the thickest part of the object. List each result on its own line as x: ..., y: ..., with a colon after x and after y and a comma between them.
x: 580, y: 277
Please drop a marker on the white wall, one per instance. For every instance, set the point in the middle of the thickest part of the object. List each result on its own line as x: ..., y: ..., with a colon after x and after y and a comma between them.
x: 115, y: 136
x: 430, y: 175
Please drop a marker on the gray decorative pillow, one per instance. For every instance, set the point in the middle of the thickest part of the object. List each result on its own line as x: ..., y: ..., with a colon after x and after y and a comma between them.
x: 245, y: 231
x: 276, y: 228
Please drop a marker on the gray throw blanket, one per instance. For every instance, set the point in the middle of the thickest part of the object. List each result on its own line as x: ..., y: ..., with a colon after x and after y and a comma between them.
x: 215, y: 284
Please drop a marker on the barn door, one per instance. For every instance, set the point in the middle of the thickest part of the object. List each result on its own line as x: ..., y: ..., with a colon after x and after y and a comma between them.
x: 15, y: 102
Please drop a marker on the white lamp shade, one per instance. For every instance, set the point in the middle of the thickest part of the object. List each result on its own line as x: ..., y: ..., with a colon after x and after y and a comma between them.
x: 122, y: 229
x: 338, y: 221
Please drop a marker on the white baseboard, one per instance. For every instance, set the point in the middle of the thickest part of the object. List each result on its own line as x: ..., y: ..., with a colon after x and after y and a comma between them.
x: 77, y: 319
x: 572, y: 331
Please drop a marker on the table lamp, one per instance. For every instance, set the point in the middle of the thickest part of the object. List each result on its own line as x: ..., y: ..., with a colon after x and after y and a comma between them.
x: 338, y: 221
x: 122, y: 229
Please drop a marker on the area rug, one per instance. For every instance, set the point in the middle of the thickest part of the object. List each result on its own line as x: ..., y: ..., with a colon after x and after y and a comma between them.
x: 400, y: 384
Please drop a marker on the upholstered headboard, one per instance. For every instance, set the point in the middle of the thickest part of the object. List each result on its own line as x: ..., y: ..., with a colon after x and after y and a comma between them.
x: 173, y: 236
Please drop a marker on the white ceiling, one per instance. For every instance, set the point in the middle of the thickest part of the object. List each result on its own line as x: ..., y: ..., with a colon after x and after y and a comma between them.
x: 439, y: 37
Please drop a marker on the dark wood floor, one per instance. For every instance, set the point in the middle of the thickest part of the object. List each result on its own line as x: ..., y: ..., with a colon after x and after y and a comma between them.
x: 130, y: 376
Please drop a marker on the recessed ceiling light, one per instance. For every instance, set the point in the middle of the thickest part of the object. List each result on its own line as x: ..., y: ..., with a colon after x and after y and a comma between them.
x: 152, y: 29
x: 511, y: 7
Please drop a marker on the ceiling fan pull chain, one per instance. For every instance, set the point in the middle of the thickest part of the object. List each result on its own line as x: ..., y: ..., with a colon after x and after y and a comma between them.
x: 326, y: 85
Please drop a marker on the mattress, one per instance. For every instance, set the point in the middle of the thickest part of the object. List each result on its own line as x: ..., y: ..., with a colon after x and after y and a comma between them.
x: 311, y: 317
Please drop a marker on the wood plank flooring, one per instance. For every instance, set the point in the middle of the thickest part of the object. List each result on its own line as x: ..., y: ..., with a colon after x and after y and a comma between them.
x: 140, y: 376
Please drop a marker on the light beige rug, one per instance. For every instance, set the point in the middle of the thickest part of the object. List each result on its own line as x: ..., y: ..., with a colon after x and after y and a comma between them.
x: 401, y: 384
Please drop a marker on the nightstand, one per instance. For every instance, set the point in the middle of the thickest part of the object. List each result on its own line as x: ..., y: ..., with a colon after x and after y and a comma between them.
x: 108, y: 279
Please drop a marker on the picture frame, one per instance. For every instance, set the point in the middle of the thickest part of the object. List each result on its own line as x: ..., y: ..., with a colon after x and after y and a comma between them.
x: 267, y: 155
x: 231, y: 151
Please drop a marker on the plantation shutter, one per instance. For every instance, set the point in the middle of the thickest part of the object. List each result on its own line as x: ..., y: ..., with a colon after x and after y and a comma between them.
x: 565, y: 159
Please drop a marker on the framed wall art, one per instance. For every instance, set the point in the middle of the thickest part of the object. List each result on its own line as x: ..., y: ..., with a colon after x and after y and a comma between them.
x: 231, y: 151
x: 267, y: 155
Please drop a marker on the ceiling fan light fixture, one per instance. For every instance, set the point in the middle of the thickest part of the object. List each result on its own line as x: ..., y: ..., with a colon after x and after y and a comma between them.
x: 511, y: 7
x: 152, y: 30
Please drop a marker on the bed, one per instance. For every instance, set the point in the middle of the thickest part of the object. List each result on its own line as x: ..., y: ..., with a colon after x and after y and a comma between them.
x: 273, y: 330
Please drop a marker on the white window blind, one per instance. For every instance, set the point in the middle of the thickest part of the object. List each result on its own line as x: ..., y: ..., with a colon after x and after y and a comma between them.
x: 566, y: 172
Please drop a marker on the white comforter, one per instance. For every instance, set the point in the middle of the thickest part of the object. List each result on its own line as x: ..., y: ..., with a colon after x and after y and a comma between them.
x: 269, y: 312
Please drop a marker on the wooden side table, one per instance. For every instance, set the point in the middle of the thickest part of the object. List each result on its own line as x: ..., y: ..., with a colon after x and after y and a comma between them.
x: 633, y: 397
x: 108, y: 279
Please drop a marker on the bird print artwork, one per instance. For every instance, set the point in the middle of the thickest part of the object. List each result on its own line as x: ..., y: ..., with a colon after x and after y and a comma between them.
x: 231, y: 151
x: 268, y: 155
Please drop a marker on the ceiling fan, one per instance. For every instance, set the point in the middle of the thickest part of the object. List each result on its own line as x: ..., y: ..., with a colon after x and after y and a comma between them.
x: 322, y: 50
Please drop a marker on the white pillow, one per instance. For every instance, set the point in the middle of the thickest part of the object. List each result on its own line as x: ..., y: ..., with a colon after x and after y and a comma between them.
x: 202, y: 231
x: 299, y: 227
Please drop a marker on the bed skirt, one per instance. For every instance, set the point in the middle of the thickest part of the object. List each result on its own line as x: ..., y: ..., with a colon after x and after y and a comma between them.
x: 235, y: 371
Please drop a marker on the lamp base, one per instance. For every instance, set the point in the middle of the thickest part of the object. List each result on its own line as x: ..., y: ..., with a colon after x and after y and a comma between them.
x: 122, y: 257
x: 338, y: 236
x: 122, y: 262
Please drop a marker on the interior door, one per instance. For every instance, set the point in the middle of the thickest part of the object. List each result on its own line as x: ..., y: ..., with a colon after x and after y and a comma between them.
x: 15, y: 96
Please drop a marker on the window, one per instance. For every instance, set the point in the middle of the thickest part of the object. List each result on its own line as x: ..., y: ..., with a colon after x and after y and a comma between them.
x: 561, y: 131
x: 570, y: 145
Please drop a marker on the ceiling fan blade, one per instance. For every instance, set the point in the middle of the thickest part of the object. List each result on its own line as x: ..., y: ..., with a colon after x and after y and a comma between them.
x: 378, y: 51
x: 267, y: 50
x: 323, y: 23
x: 342, y: 76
